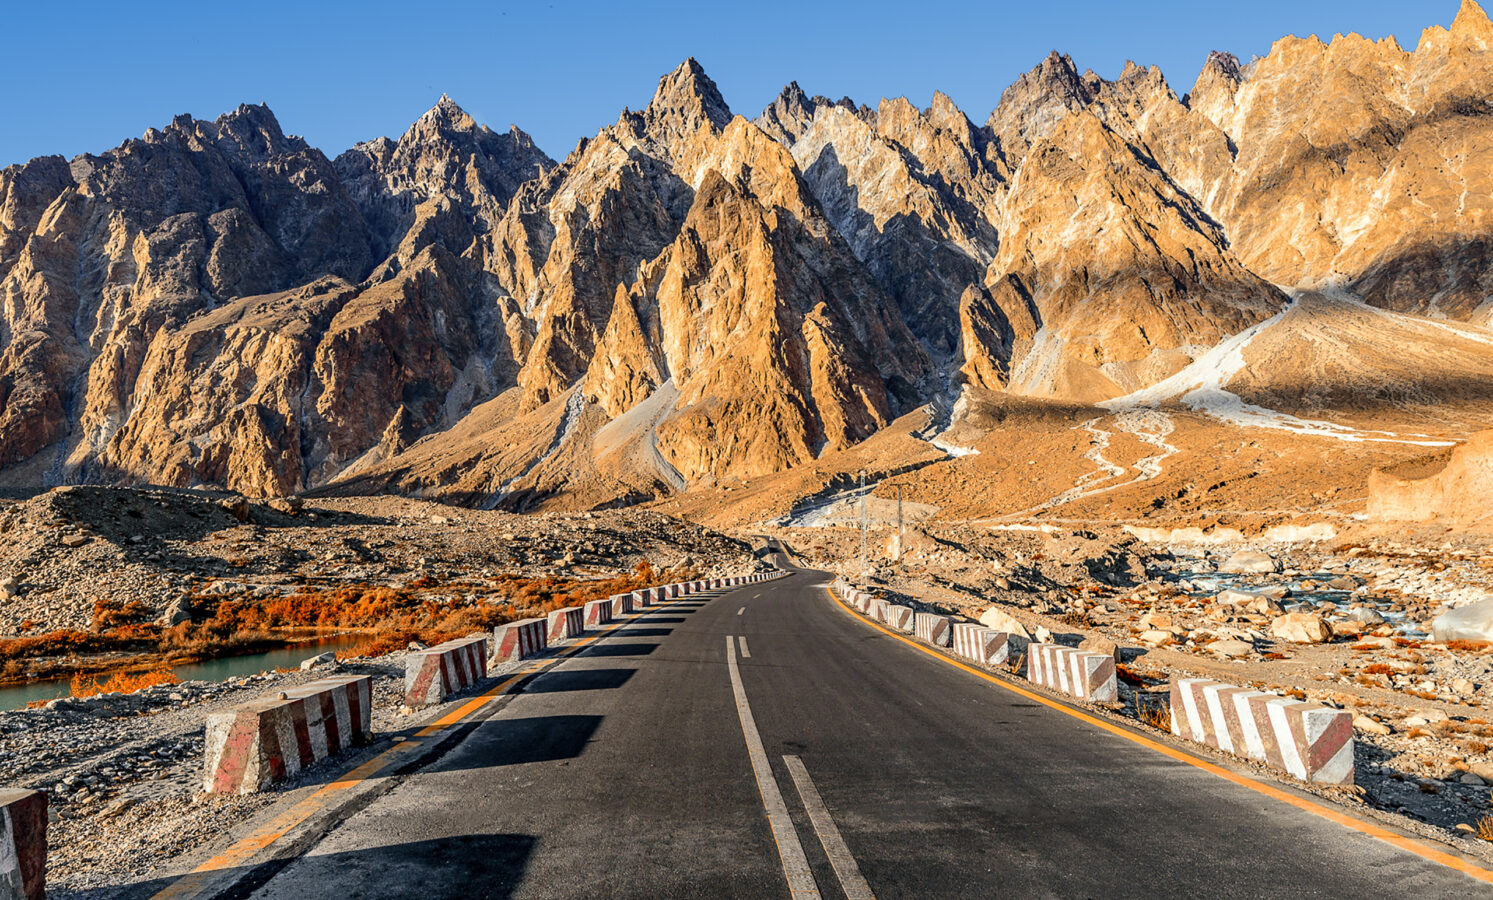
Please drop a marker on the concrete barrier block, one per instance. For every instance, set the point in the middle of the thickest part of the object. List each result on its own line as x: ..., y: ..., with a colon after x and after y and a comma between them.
x: 518, y: 640
x: 977, y: 643
x: 598, y: 613
x: 23, y: 844
x: 432, y: 675
x: 657, y: 595
x: 621, y: 605
x: 1310, y: 741
x: 1086, y: 676
x: 264, y: 741
x: 899, y: 617
x: 641, y: 599
x: 931, y: 628
x: 564, y: 623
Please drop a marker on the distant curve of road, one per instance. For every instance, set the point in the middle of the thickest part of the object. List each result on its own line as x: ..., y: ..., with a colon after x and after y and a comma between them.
x: 764, y: 743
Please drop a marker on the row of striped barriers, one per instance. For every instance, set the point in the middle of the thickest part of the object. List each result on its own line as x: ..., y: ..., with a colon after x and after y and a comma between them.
x: 1307, y: 740
x: 258, y: 743
x: 1077, y: 673
x: 1085, y: 676
x: 1310, y: 741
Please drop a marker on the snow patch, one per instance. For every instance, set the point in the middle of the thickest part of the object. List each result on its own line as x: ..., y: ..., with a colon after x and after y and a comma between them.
x: 1201, y: 386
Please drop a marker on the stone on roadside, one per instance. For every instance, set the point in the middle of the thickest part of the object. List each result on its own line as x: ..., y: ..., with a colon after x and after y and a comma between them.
x: 998, y: 619
x: 1155, y: 638
x: 323, y: 659
x: 74, y: 541
x: 1231, y: 648
x: 1098, y: 644
x: 1371, y: 726
x: 1300, y: 628
x: 1250, y: 562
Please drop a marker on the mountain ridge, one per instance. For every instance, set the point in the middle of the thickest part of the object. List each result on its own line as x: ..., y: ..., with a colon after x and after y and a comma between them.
x: 219, y: 303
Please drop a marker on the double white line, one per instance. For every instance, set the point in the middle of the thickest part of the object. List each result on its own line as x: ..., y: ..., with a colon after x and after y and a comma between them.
x: 795, y: 864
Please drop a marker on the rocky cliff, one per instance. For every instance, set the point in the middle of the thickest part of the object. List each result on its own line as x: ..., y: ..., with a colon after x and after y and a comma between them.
x: 691, y: 296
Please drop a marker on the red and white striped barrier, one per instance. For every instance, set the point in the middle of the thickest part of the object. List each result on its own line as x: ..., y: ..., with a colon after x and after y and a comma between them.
x: 931, y: 628
x: 621, y: 604
x: 898, y: 617
x: 23, y: 844
x: 657, y: 595
x: 598, y: 613
x: 1310, y: 741
x: 1077, y: 673
x: 564, y: 623
x: 641, y: 599
x: 254, y: 745
x: 432, y: 675
x: 518, y: 640
x: 980, y: 644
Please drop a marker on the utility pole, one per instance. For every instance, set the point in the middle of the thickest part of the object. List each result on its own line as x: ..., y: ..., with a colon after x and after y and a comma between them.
x: 863, y: 522
x: 901, y: 536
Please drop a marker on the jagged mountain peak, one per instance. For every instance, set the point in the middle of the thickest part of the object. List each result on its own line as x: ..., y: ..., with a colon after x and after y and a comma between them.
x: 1472, y: 20
x: 1032, y: 106
x: 687, y: 94
x: 445, y: 117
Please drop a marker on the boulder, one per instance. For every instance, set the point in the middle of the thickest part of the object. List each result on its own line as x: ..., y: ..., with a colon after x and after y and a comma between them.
x: 1156, y: 638
x: 1366, y: 616
x: 1098, y: 644
x: 1370, y: 726
x: 1250, y: 562
x: 176, y: 614
x: 1157, y: 621
x: 323, y: 659
x: 1300, y: 628
x: 1231, y: 648
x: 1473, y: 622
x: 238, y: 507
x: 998, y: 619
x: 1347, y: 628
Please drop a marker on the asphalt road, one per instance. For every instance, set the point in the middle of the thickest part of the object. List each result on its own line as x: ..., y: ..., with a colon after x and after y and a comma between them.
x: 628, y: 771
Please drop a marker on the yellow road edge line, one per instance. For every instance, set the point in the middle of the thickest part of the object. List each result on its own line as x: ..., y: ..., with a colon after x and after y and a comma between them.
x: 1309, y: 805
x: 191, y: 884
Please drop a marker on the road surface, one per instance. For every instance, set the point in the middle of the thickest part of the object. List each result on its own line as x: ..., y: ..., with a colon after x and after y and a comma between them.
x: 647, y: 765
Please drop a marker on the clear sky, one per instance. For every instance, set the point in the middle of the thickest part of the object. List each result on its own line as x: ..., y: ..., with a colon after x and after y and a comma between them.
x: 83, y: 76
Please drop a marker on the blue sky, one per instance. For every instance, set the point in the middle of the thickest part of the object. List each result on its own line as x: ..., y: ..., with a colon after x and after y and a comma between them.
x: 84, y: 76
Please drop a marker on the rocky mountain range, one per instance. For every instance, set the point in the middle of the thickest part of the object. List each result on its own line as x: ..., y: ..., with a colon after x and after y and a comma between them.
x: 692, y: 296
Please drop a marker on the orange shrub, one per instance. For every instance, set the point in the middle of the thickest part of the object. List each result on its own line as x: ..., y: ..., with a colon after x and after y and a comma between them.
x: 121, y: 682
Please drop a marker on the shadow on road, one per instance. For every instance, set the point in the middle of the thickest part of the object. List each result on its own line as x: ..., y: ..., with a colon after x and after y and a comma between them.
x: 616, y: 650
x: 468, y: 865
x: 579, y: 680
x: 512, y: 742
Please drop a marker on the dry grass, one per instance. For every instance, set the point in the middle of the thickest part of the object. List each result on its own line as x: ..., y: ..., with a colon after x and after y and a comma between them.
x: 1158, y: 715
x: 422, y: 611
x: 1485, y: 828
x: 1470, y: 646
x: 121, y: 682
